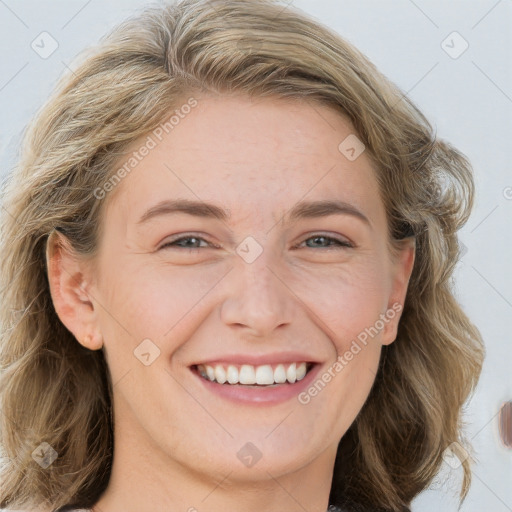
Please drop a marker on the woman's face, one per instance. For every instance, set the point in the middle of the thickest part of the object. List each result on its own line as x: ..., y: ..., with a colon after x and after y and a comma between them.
x: 263, y: 278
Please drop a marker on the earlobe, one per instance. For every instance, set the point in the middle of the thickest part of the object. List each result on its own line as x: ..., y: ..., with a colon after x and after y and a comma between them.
x: 92, y: 342
x: 402, y: 270
x: 68, y: 288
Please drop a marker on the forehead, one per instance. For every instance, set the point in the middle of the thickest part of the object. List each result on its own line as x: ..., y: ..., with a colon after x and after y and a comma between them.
x: 247, y: 154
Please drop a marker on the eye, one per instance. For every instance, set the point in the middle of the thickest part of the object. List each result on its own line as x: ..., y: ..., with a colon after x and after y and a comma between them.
x: 336, y: 242
x: 176, y: 241
x: 197, y: 240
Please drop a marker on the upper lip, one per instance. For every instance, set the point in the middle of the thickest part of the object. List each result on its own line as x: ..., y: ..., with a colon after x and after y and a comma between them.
x: 258, y: 360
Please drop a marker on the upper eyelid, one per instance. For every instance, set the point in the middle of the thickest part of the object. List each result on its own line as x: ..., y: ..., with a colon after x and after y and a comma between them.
x: 342, y: 241
x: 180, y: 237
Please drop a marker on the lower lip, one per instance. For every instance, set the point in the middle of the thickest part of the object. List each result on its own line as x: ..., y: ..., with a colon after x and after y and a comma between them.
x: 264, y: 395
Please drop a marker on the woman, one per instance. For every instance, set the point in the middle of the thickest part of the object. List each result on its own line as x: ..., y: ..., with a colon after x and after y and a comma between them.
x: 226, y: 277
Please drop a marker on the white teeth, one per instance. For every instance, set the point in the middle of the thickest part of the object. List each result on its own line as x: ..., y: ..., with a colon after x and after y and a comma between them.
x: 301, y: 371
x: 291, y: 373
x: 249, y: 375
x: 210, y: 372
x: 264, y: 374
x: 232, y: 374
x: 220, y: 374
x: 280, y: 374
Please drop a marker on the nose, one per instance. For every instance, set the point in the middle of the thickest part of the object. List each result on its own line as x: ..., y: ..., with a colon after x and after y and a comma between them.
x: 258, y: 300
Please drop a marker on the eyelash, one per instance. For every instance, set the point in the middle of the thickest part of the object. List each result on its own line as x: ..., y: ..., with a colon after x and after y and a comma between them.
x: 341, y: 244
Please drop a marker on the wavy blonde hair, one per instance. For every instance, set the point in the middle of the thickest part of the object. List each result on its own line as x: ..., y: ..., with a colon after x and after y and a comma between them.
x: 54, y: 390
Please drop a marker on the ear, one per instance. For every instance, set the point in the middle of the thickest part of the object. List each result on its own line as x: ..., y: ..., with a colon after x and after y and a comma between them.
x: 402, y: 265
x: 69, y: 281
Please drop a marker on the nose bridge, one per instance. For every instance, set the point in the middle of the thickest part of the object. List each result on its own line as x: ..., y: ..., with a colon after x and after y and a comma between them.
x: 260, y: 277
x: 257, y: 297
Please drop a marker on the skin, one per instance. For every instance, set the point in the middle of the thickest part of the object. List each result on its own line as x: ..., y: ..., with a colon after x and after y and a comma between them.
x: 176, y: 443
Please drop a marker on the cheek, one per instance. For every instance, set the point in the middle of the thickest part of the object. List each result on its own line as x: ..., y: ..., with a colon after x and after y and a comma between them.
x: 347, y: 300
x: 148, y: 301
x: 162, y: 303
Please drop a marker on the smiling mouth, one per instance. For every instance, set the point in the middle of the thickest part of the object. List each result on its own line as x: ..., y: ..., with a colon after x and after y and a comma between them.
x: 250, y: 376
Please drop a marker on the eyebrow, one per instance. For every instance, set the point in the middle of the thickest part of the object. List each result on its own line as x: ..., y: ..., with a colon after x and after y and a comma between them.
x: 302, y: 210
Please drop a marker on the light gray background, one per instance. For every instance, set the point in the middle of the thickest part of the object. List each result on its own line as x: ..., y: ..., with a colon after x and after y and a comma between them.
x: 468, y: 99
